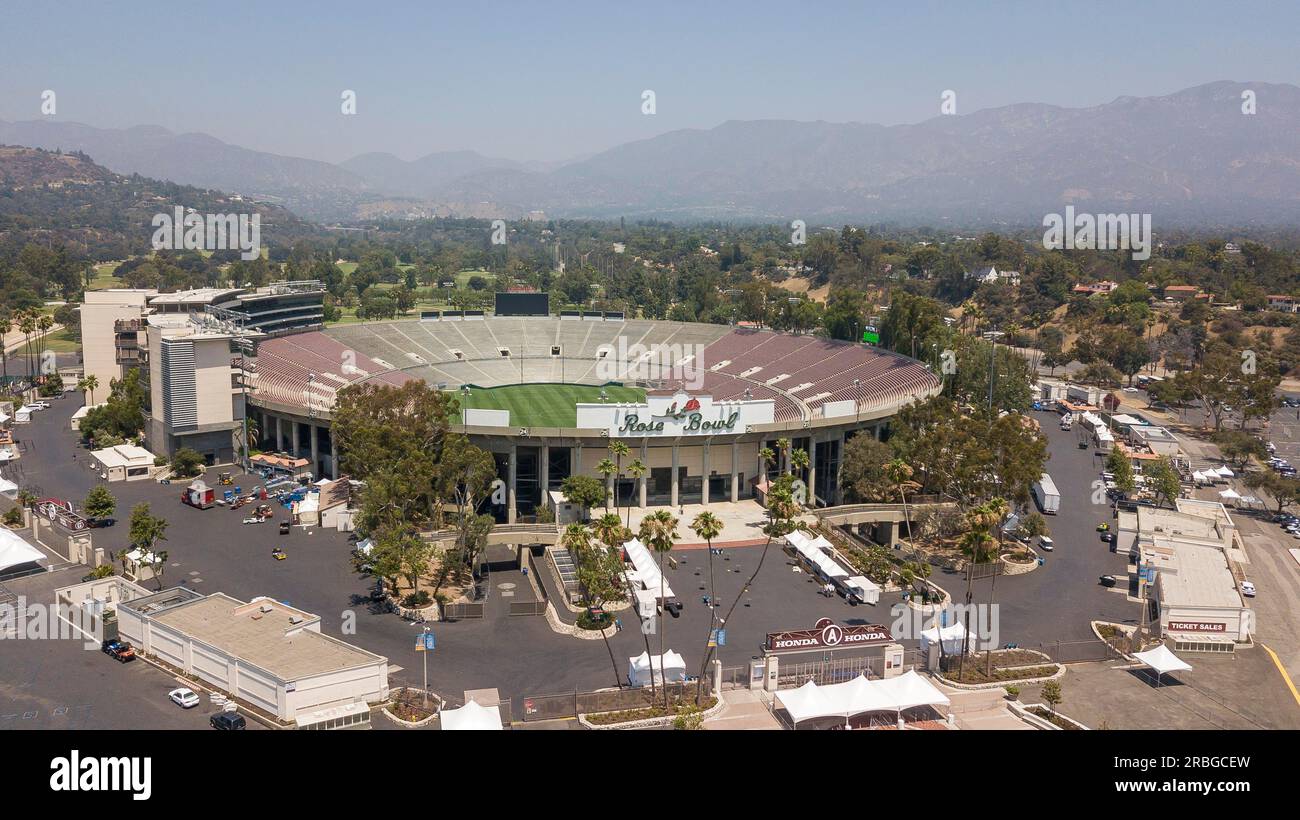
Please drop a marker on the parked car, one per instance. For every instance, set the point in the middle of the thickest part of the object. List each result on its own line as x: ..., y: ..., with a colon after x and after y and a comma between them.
x: 120, y: 651
x: 228, y: 721
x: 184, y: 698
x: 1108, y: 580
x: 100, y: 522
x: 1248, y: 589
x: 284, y: 527
x: 1046, y: 543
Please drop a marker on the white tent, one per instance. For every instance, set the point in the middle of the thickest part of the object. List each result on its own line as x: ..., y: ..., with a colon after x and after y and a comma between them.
x: 672, y: 666
x: 863, y: 587
x: 14, y: 551
x: 7, y: 488
x: 812, y: 551
x: 1224, y: 472
x: 1201, y: 478
x: 860, y: 695
x: 1162, y: 660
x: 951, y: 637
x: 647, y: 571
x: 1229, y: 495
x: 471, y: 717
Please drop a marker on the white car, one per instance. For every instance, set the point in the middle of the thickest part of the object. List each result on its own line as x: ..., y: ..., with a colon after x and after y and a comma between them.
x: 184, y: 698
x: 252, y: 520
x: 1248, y: 589
x: 1046, y: 543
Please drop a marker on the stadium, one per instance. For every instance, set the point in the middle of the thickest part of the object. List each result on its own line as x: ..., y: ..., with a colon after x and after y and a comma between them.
x: 546, y: 394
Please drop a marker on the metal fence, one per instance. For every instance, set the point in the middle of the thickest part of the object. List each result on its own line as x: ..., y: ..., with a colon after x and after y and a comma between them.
x: 1083, y: 651
x: 834, y: 670
x: 527, y: 607
x: 457, y: 612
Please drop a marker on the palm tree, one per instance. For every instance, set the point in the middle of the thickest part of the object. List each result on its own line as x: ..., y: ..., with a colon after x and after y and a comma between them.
x: 43, y: 323
x: 618, y: 450
x: 607, y: 469
x: 636, y: 469
x: 27, y: 324
x: 900, y: 473
x: 88, y: 385
x: 6, y: 325
x: 659, y: 533
x: 799, y: 461
x: 707, y: 526
x: 767, y: 456
x: 783, y: 448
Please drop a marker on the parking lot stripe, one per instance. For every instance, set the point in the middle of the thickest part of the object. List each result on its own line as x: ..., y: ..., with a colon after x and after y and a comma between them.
x: 1285, y: 677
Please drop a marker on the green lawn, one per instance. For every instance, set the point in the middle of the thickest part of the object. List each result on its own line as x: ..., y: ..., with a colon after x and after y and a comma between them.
x: 545, y: 405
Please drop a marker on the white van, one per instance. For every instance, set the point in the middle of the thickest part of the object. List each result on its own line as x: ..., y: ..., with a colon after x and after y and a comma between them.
x: 1046, y: 544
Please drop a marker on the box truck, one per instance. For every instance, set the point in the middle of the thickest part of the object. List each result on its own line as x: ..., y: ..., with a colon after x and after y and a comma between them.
x: 1049, y: 500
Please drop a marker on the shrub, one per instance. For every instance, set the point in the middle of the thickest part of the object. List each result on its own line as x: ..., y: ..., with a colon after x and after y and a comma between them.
x: 417, y: 599
x: 13, y: 517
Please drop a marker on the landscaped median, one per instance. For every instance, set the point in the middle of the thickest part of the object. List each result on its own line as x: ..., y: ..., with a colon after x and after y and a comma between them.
x: 984, y: 670
x: 412, y: 708
x: 682, y: 714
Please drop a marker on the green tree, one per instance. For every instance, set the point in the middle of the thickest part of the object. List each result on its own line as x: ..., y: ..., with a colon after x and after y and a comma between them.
x: 187, y: 462
x: 583, y: 490
x: 1163, y: 479
x: 99, y: 502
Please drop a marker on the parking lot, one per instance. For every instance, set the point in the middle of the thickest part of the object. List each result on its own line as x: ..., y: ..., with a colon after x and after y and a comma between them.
x: 1057, y: 601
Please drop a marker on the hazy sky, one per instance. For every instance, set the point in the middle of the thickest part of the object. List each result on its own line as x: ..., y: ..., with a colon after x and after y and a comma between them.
x: 544, y: 81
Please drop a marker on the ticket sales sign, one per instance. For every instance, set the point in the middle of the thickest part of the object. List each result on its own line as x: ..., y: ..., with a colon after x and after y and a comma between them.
x: 828, y: 635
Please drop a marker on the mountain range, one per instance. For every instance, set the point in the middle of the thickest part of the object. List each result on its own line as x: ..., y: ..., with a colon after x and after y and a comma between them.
x: 1193, y: 157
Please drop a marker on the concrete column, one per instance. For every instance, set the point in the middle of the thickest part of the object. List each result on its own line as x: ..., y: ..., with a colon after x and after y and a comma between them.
x: 839, y: 494
x: 641, y: 482
x: 279, y: 435
x: 334, y: 465
x: 293, y: 425
x: 315, y: 450
x: 544, y: 472
x: 812, y: 472
x: 510, y: 497
x: 704, y: 472
x: 735, y: 471
x: 676, y: 460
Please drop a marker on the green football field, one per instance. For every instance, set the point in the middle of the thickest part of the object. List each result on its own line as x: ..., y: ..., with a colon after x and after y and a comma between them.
x: 544, y: 405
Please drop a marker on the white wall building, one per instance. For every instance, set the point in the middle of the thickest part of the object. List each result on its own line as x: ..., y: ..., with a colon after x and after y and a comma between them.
x: 263, y: 653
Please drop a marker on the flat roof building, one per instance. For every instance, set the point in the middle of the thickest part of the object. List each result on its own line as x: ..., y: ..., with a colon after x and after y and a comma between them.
x: 125, y: 462
x: 1185, y: 562
x: 263, y: 652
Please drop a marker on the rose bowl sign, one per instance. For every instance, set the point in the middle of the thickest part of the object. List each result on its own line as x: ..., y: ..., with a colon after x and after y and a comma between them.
x: 828, y: 635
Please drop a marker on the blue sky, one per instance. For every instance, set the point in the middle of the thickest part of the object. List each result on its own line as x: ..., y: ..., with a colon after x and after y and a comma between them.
x: 534, y: 81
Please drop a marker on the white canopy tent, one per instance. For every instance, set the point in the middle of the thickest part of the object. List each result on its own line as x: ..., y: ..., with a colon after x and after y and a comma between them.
x: 471, y: 717
x: 951, y: 637
x: 812, y: 551
x: 1199, y: 477
x: 863, y: 587
x: 859, y: 696
x: 1224, y: 472
x: 14, y: 551
x: 670, y: 665
x: 646, y: 571
x: 7, y: 488
x: 1229, y: 495
x: 1162, y: 660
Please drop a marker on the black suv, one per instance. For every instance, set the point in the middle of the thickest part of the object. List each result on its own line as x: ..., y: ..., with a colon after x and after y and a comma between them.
x: 228, y: 721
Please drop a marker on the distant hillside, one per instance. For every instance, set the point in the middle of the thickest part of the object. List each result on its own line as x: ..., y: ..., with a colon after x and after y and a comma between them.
x: 1191, y: 159
x: 103, y: 215
x: 311, y: 188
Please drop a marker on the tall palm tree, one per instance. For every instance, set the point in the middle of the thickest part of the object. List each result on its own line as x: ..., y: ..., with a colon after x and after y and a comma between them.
x: 577, y: 540
x: 783, y: 449
x: 27, y: 324
x: 89, y: 385
x: 900, y: 473
x: 43, y: 324
x: 799, y: 461
x: 6, y: 325
x: 659, y: 533
x: 636, y: 469
x: 607, y: 469
x: 618, y: 450
x: 707, y: 526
